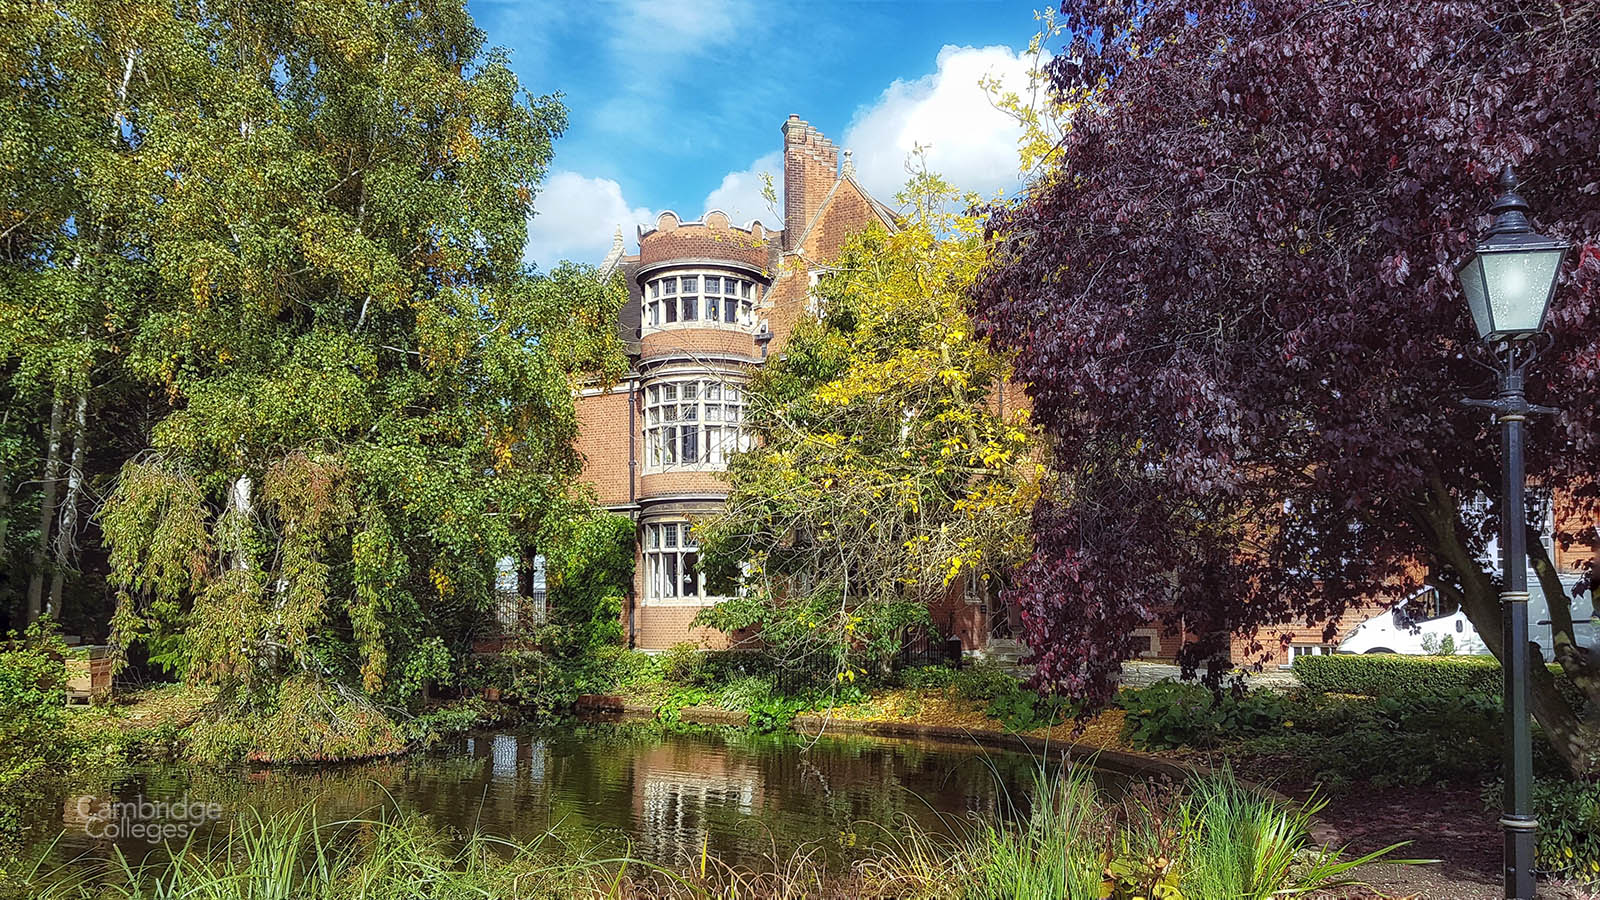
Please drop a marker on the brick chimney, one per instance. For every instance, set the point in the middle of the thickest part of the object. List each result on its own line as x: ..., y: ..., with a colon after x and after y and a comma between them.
x: 810, y: 167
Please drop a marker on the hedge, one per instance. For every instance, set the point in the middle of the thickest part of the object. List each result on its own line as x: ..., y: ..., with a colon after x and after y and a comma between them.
x: 1392, y: 675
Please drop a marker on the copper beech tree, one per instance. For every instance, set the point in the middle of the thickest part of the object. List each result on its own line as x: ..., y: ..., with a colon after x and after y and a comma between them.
x: 1232, y: 296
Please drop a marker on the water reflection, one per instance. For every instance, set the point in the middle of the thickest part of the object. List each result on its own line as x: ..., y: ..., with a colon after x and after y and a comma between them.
x: 662, y: 795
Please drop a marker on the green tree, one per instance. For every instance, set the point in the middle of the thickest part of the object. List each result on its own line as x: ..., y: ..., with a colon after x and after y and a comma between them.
x: 888, y: 464
x: 72, y: 275
x: 299, y: 226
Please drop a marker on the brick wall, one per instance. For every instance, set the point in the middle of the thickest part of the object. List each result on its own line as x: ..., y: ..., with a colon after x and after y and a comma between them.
x: 787, y: 303
x: 660, y: 627
x: 698, y: 341
x: 603, y: 438
x: 663, y: 484
x: 713, y: 239
x: 1274, y: 641
x: 952, y: 614
x: 847, y: 212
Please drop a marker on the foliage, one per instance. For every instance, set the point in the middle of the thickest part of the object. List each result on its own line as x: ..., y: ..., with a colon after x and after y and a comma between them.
x: 888, y: 465
x: 589, y: 568
x: 340, y: 392
x: 1169, y: 714
x: 542, y: 684
x: 1392, y: 675
x: 1056, y: 852
x: 1240, y: 843
x: 575, y: 649
x: 1005, y: 698
x: 34, y: 741
x: 395, y: 858
x: 1043, y: 114
x: 304, y: 720
x: 1232, y: 299
x: 1212, y: 838
x: 684, y: 663
x: 670, y: 710
x: 1569, y: 826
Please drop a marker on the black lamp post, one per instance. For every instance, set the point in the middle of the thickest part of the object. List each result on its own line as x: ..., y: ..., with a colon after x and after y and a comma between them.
x: 1509, y: 280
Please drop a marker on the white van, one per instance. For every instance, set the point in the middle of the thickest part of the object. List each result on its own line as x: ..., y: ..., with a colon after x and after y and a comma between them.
x: 1425, y: 623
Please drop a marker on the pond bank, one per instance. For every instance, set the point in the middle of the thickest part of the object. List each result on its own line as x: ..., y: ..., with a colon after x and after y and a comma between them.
x: 1042, y: 743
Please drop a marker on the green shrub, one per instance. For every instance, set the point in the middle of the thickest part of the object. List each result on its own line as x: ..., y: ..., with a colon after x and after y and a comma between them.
x: 928, y: 677
x: 684, y: 664
x: 1330, y: 738
x: 1392, y: 675
x: 34, y: 743
x: 1385, y: 741
x: 1168, y: 715
x: 1569, y: 826
x: 745, y: 692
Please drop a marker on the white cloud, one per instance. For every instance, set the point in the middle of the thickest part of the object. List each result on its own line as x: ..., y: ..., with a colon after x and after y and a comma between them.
x: 739, y: 195
x: 575, y: 217
x: 663, y: 48
x: 671, y: 29
x: 970, y: 143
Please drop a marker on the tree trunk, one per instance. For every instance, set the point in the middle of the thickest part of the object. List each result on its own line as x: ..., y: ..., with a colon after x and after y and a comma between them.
x: 6, y: 597
x: 67, y: 533
x: 1577, y: 742
x: 47, y: 509
x: 241, y: 505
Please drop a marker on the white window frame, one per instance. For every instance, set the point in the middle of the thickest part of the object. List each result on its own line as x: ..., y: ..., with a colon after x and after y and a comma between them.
x: 1297, y: 650
x: 713, y: 418
x: 663, y: 297
x: 1154, y: 636
x: 671, y: 564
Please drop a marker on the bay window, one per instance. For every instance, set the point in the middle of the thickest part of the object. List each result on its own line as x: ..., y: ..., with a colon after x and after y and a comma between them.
x: 673, y: 570
x: 693, y: 423
x: 703, y: 298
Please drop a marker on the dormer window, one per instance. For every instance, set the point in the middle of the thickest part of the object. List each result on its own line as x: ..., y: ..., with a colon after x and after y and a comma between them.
x: 705, y: 299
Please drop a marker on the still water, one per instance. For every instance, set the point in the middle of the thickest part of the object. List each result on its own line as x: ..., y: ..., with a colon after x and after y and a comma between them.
x: 660, y: 795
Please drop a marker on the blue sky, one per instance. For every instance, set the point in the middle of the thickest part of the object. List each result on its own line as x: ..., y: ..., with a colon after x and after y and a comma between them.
x: 677, y: 105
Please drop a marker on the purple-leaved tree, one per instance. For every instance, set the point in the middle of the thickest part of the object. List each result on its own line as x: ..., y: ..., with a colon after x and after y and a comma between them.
x: 1232, y: 298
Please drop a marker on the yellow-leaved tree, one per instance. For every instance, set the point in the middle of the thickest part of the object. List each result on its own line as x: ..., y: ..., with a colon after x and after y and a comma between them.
x: 892, y: 465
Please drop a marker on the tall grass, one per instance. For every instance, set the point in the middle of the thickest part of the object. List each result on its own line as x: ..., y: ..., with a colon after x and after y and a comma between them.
x: 1242, y: 845
x: 1213, y: 839
x: 1055, y: 852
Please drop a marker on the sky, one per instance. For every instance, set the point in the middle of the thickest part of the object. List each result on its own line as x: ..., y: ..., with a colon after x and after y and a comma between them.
x: 677, y: 104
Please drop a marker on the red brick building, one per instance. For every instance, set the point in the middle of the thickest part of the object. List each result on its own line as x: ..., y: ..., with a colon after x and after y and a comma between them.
x: 711, y: 301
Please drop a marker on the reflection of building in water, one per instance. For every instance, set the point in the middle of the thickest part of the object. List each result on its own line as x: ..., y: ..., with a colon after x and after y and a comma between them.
x: 503, y: 753
x: 679, y: 789
x: 510, y: 755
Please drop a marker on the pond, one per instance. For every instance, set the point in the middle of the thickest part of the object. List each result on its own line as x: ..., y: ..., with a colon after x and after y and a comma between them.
x: 659, y: 794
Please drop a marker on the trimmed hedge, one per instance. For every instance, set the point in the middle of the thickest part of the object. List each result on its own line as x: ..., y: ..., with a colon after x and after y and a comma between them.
x: 1392, y: 675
